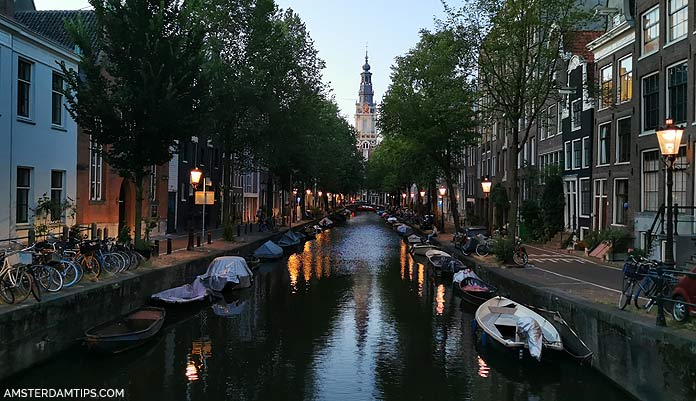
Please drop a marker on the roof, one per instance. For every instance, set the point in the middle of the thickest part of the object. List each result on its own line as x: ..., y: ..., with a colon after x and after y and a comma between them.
x: 51, y: 24
x: 579, y: 41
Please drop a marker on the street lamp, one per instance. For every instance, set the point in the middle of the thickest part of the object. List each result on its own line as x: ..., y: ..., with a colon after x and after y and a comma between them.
x: 486, y: 188
x: 320, y: 193
x: 403, y: 199
x: 196, y: 175
x: 442, y: 191
x: 293, y: 205
x: 669, y: 138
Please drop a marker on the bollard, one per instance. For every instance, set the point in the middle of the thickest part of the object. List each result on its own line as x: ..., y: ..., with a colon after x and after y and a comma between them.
x: 93, y: 231
x: 169, y: 246
x: 155, y: 249
x: 210, y: 237
x: 31, y: 236
x: 99, y: 233
x: 189, y: 246
x: 66, y: 233
x: 239, y: 230
x: 198, y: 241
x: 106, y: 232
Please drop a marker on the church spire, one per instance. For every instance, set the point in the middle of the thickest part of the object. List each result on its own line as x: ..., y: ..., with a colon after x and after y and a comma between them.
x: 366, y: 93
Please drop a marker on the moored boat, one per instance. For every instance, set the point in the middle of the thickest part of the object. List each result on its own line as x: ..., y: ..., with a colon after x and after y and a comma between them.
x: 437, y: 257
x: 421, y: 249
x: 471, y: 288
x: 127, y: 332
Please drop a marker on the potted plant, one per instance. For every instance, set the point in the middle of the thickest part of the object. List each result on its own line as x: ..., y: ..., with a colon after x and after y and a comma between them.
x: 145, y: 246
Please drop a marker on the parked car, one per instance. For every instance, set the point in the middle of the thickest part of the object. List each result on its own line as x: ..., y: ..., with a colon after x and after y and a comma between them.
x: 684, y: 292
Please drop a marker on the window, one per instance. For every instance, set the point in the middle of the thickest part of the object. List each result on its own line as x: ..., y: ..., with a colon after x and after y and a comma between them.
x: 586, y: 155
x: 568, y: 156
x: 651, y: 102
x: 651, y: 168
x: 678, y: 17
x: 577, y: 154
x: 552, y: 125
x: 676, y: 93
x: 23, y: 87
x: 680, y: 178
x: 603, y: 145
x: 623, y: 140
x: 651, y: 30
x: 23, y: 190
x: 576, y: 114
x: 56, y: 195
x: 153, y: 183
x: 600, y: 205
x: 607, y: 87
x: 620, y: 201
x: 95, y: 171
x: 532, y: 151
x: 585, y: 197
x: 559, y: 118
x: 183, y: 149
x: 625, y: 79
x: 57, y: 100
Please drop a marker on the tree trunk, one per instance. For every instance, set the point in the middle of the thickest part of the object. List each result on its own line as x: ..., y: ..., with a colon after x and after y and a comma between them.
x: 227, y: 205
x: 453, y: 199
x: 514, y: 185
x: 269, y: 194
x: 137, y: 229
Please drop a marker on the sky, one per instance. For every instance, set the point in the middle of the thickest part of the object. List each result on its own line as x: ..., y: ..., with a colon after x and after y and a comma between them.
x: 341, y: 29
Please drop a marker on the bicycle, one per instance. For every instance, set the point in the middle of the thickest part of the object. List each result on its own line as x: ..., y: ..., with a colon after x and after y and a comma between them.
x: 484, y: 246
x: 15, y: 279
x: 634, y: 272
x: 519, y: 253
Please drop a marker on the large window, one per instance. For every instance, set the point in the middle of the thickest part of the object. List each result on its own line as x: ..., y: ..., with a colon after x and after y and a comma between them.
x: 651, y: 30
x: 678, y: 17
x: 56, y: 195
x: 607, y: 87
x: 23, y: 191
x: 651, y: 102
x: 95, y: 171
x: 586, y: 155
x: 603, y: 144
x: 676, y: 92
x: 625, y: 79
x: 153, y: 183
x: 585, y: 197
x: 57, y: 100
x: 680, y: 178
x: 568, y: 156
x: 577, y: 154
x: 576, y: 114
x: 623, y: 140
x: 620, y: 201
x: 552, y: 125
x: 23, y: 87
x: 651, y: 173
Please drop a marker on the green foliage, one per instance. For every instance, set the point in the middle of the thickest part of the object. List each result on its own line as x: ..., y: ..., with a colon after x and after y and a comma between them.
x: 124, y: 236
x: 552, y: 204
x: 150, y: 224
x: 533, y: 221
x: 49, y: 213
x: 619, y: 238
x: 503, y: 248
x: 637, y: 253
x: 500, y: 200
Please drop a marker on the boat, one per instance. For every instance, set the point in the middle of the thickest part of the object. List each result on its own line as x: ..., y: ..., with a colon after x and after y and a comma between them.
x: 127, y: 332
x: 404, y: 230
x: 187, y: 293
x: 467, y: 285
x: 517, y: 327
x: 437, y: 258
x: 268, y: 251
x: 289, y: 240
x: 326, y: 223
x: 252, y: 261
x: 421, y: 249
x: 392, y: 220
x: 234, y: 307
x: 309, y: 232
x: 227, y: 272
x: 414, y: 239
x: 453, y: 265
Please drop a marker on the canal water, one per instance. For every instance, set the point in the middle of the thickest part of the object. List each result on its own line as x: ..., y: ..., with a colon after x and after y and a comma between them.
x: 350, y: 317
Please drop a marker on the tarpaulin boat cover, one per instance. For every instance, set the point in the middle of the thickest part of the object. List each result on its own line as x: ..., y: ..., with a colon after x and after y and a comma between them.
x: 269, y: 250
x: 529, y: 329
x: 227, y: 269
x: 195, y: 291
x: 463, y: 274
x: 392, y: 219
x: 402, y: 229
x: 225, y: 309
x: 414, y: 239
x: 289, y: 239
x: 325, y: 222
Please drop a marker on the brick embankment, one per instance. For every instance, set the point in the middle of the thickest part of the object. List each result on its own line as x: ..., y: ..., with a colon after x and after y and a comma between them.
x: 33, y: 332
x: 649, y: 362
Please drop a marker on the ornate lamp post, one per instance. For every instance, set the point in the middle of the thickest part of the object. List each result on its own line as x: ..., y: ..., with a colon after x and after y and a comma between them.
x: 486, y: 188
x: 319, y: 199
x: 422, y: 201
x: 403, y: 199
x: 196, y: 175
x: 442, y: 191
x: 669, y: 138
x: 293, y: 205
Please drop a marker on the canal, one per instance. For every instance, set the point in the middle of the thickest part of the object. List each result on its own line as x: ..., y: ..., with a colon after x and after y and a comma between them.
x: 351, y: 317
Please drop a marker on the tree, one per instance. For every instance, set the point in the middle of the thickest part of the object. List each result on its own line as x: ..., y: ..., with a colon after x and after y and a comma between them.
x: 139, y: 83
x: 430, y: 102
x: 518, y: 44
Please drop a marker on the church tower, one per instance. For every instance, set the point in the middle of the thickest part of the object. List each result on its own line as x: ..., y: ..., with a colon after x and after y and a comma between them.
x: 365, y: 116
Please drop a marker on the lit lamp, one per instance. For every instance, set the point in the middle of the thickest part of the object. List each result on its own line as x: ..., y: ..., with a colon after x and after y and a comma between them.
x: 669, y: 138
x: 196, y: 175
x: 293, y: 205
x: 486, y: 188
x: 422, y: 201
x: 442, y: 191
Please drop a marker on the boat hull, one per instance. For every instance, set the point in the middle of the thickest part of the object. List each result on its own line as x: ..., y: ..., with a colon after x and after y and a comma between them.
x: 125, y: 333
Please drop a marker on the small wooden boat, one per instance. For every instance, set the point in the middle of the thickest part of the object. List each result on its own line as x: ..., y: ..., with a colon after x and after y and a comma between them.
x: 518, y: 327
x: 473, y: 290
x: 421, y: 249
x: 414, y: 239
x: 127, y: 332
x: 437, y: 257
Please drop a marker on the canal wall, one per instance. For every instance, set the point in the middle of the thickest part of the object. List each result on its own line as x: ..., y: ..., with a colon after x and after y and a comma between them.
x: 32, y: 333
x: 649, y: 362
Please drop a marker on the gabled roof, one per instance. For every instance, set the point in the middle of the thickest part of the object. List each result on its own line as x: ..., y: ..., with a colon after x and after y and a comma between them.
x: 51, y: 24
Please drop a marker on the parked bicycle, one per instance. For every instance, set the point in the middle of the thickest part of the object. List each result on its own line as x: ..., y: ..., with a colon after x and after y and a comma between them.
x: 645, y: 282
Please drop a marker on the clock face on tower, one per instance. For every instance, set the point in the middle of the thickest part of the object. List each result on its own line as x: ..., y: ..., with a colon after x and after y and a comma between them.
x: 366, y: 108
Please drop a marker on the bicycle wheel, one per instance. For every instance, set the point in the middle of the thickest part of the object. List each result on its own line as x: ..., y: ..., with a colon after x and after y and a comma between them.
x: 35, y: 289
x: 482, y: 249
x: 22, y: 288
x: 110, y: 263
x: 646, y: 289
x: 6, y: 293
x: 626, y: 292
x: 91, y: 267
x: 520, y: 258
x: 48, y: 278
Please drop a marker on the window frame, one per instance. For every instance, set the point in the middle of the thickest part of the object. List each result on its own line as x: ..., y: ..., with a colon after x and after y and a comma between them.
x: 59, y: 95
x: 586, y: 152
x: 599, y: 145
x: 670, y: 27
x: 96, y: 172
x: 568, y: 150
x: 577, y: 164
x: 26, y: 188
x: 656, y: 93
x: 616, y: 205
x: 617, y: 154
x: 619, y: 92
x: 29, y: 89
x: 573, y: 127
x: 668, y: 87
x: 603, y: 97
x: 61, y: 198
x: 642, y: 179
x: 581, y: 209
x: 645, y: 28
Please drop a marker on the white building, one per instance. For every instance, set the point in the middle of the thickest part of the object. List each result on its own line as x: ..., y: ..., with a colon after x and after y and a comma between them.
x: 38, y: 138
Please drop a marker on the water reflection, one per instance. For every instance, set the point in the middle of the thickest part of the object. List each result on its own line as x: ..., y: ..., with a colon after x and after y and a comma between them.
x: 351, y: 317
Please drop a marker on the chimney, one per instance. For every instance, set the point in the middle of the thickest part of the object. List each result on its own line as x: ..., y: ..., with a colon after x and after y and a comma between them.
x: 7, y: 8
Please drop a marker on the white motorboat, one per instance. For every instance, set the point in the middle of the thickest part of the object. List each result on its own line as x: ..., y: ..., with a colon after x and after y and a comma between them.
x: 421, y: 249
x: 516, y: 326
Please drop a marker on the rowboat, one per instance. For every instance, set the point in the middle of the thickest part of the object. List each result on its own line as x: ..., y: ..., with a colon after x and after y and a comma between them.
x: 127, y: 332
x: 471, y: 288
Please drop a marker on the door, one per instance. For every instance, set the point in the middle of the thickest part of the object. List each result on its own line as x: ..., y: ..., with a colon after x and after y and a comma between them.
x: 600, y: 205
x: 571, y: 203
x: 171, y: 212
